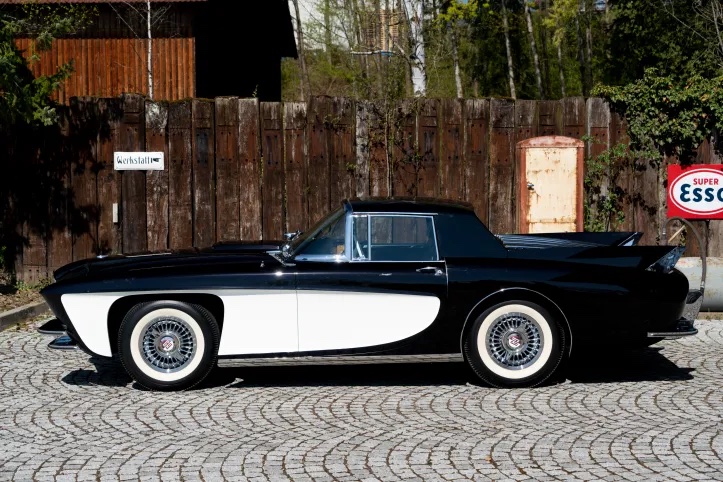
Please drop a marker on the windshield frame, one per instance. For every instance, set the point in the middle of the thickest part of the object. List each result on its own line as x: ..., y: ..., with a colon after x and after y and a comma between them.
x: 298, y: 244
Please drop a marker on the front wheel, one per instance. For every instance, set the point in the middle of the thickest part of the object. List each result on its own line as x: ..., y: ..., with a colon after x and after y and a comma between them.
x: 168, y: 345
x: 514, y: 344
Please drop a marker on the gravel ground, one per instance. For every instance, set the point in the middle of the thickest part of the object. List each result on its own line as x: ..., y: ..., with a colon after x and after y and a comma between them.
x: 11, y: 297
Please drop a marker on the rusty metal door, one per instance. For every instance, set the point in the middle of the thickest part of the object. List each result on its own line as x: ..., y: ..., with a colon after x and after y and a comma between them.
x: 550, y: 187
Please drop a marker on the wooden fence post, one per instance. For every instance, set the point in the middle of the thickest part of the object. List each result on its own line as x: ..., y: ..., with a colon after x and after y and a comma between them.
x: 249, y: 154
x: 157, y: 181
x: 132, y: 139
x: 228, y: 170
x: 452, y: 159
x: 428, y: 142
x: 342, y: 154
x: 319, y: 175
x: 476, y: 152
x: 110, y: 236
x: 60, y: 242
x: 502, y: 166
x: 272, y: 145
x: 296, y: 164
x: 204, y: 167
x: 180, y: 172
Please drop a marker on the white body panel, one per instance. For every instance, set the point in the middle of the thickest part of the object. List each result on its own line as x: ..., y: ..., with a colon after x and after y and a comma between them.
x: 337, y: 320
x: 89, y: 315
x: 257, y: 321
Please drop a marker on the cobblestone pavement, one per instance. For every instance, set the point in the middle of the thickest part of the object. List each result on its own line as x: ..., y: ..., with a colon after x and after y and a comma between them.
x: 656, y: 414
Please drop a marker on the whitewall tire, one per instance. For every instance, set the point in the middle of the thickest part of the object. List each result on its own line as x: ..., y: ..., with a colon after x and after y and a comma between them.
x: 514, y: 344
x: 168, y: 345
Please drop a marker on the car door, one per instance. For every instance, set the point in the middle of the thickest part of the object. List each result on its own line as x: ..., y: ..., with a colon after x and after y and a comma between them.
x: 377, y: 290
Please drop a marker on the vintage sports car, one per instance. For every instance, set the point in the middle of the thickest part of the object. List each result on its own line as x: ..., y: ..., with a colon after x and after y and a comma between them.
x: 376, y: 281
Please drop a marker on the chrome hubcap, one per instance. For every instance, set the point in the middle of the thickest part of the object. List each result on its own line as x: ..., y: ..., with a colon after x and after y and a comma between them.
x: 514, y: 341
x: 168, y: 345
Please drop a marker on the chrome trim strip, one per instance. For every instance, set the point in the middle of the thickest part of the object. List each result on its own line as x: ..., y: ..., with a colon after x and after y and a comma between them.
x: 338, y: 360
x: 671, y: 335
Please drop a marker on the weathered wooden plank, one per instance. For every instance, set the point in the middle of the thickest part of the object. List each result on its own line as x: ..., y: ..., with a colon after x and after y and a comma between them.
x: 624, y: 185
x: 476, y: 151
x: 573, y: 117
x: 526, y: 119
x: 84, y: 215
x: 319, y: 168
x: 228, y: 171
x: 502, y: 166
x: 342, y: 152
x: 452, y: 168
x: 428, y: 140
x: 204, y: 167
x: 180, y: 173
x: 405, y: 161
x: 272, y: 145
x: 110, y: 237
x: 249, y: 154
x: 597, y: 130
x: 379, y: 185
x: 132, y: 139
x: 645, y: 185
x: 598, y: 126
x: 60, y: 242
x: 296, y: 155
x: 363, y: 148
x: 157, y: 189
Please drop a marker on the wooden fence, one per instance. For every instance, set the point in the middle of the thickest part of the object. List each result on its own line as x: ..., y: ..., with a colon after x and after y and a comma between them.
x: 240, y: 169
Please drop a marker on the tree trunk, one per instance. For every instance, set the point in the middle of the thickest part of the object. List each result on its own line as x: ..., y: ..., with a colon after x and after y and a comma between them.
x: 455, y: 59
x: 533, y: 48
x: 305, y: 84
x: 508, y: 47
x: 415, y: 17
x: 150, y: 51
x: 717, y: 11
x: 327, y: 30
x: 561, y: 66
x: 581, y: 56
x: 588, y: 41
x: 545, y: 64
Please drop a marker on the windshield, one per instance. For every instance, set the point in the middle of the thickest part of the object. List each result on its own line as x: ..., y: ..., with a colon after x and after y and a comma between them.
x: 319, y: 230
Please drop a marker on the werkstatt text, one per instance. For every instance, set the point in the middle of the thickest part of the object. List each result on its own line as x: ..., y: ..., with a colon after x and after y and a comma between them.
x: 696, y: 191
x: 138, y: 161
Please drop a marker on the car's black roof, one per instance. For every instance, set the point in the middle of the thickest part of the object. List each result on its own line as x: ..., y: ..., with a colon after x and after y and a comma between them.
x: 409, y: 205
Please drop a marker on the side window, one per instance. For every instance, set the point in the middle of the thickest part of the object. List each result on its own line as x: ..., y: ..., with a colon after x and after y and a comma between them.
x: 360, y: 239
x: 401, y: 238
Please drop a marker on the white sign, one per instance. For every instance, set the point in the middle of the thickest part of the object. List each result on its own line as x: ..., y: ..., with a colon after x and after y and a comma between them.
x: 696, y: 192
x: 138, y: 161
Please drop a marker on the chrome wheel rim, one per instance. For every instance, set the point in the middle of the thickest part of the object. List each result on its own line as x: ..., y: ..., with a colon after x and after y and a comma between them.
x: 168, y: 345
x: 514, y: 341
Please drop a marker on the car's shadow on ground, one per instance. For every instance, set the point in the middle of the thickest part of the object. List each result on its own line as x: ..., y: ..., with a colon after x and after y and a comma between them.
x: 590, y: 366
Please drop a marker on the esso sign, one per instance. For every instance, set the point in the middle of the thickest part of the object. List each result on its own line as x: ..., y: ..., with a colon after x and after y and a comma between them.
x: 695, y: 192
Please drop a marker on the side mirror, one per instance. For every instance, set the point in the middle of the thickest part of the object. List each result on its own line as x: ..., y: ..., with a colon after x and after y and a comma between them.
x: 291, y: 236
x: 285, y: 251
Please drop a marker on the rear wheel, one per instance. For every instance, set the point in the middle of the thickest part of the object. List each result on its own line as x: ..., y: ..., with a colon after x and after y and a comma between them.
x: 168, y: 345
x: 515, y: 344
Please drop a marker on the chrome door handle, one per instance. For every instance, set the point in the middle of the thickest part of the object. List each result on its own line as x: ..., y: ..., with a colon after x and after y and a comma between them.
x: 431, y: 270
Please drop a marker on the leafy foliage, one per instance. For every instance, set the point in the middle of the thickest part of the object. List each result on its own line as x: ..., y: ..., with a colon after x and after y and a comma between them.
x: 25, y: 98
x: 668, y: 116
x: 604, y: 197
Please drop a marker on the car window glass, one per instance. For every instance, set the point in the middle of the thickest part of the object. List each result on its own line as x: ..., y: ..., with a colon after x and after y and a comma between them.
x: 360, y: 240
x: 329, y: 241
x: 402, y: 238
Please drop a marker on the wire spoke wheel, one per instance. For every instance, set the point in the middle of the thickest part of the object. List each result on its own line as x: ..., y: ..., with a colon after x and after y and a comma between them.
x: 168, y: 344
x: 514, y: 341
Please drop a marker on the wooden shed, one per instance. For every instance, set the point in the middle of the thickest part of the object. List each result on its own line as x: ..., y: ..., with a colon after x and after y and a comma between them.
x: 198, y: 48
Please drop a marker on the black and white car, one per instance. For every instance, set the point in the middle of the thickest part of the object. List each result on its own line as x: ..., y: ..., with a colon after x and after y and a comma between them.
x: 376, y: 281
